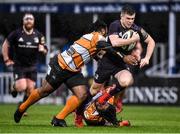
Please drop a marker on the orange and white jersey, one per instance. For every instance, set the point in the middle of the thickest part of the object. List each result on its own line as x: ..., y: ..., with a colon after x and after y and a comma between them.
x: 80, y: 52
x: 90, y: 112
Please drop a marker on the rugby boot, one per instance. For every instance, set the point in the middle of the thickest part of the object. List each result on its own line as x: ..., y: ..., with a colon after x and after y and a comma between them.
x: 78, y: 120
x: 58, y: 122
x: 124, y: 123
x: 18, y: 115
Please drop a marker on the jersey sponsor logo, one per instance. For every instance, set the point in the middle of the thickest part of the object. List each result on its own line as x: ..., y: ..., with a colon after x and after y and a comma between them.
x: 20, y: 39
x: 27, y: 46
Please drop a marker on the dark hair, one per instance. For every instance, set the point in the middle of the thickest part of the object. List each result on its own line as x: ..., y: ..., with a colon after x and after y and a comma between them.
x: 128, y: 10
x: 98, y: 25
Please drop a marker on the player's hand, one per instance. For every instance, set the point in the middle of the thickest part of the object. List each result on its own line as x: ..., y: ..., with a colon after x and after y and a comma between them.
x: 143, y: 62
x: 137, y: 54
x: 9, y: 62
x: 135, y: 37
x: 131, y: 60
x: 42, y: 49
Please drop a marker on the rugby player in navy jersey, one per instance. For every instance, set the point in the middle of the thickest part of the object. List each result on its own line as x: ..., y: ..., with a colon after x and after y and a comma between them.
x: 109, y: 65
x: 26, y: 43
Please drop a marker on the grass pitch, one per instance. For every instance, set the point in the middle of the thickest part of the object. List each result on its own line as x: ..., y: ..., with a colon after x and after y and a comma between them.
x: 144, y: 119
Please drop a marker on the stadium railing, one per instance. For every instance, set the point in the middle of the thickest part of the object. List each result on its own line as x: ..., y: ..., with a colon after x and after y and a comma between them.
x: 6, y: 83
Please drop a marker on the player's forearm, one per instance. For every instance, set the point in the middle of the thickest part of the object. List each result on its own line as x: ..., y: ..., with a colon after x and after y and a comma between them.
x: 139, y: 48
x: 5, y: 50
x: 118, y: 42
x: 150, y: 49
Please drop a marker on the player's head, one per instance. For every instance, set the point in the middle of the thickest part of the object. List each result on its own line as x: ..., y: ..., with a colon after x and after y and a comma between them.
x: 28, y: 21
x: 127, y: 16
x: 100, y: 26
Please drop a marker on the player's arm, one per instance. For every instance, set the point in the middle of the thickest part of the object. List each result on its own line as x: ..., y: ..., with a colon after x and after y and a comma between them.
x: 129, y: 59
x: 42, y: 47
x: 150, y: 48
x: 137, y: 51
x: 5, y: 53
x: 118, y: 42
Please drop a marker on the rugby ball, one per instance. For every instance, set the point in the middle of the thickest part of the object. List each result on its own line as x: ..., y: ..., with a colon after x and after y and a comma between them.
x: 127, y: 35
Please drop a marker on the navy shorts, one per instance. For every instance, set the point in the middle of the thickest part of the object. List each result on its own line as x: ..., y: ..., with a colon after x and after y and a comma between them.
x: 56, y: 76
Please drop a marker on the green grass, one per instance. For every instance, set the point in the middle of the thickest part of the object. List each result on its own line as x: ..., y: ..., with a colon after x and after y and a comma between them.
x: 144, y: 119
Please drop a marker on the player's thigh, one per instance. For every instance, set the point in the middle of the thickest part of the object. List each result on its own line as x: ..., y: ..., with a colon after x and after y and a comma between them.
x: 31, y: 78
x: 77, y: 83
x: 19, y: 80
x: 125, y: 78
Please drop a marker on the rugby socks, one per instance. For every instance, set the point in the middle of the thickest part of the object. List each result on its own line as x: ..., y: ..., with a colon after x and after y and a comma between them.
x: 25, y: 97
x: 33, y: 97
x: 71, y: 104
x: 106, y: 96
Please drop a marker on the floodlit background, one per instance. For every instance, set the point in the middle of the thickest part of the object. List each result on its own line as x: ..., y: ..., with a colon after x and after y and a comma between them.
x: 64, y: 21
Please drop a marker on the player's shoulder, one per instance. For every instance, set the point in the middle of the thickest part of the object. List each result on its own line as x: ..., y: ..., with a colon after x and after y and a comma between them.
x: 17, y: 31
x: 115, y: 23
x: 37, y: 31
x: 136, y: 27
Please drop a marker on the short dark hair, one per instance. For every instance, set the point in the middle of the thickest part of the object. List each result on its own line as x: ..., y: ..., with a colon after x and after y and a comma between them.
x: 127, y: 9
x: 98, y: 25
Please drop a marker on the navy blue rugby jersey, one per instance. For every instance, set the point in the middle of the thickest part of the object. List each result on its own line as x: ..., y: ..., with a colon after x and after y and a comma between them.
x: 24, y: 47
x: 117, y: 29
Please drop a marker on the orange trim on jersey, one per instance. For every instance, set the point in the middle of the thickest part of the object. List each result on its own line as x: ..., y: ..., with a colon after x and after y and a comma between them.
x: 95, y: 39
x: 63, y: 64
x: 84, y: 42
x: 78, y: 60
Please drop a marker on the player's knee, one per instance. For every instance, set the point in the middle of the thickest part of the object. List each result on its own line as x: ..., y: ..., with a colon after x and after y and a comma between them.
x: 93, y: 91
x: 82, y: 96
x: 95, y: 88
x: 126, y: 82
